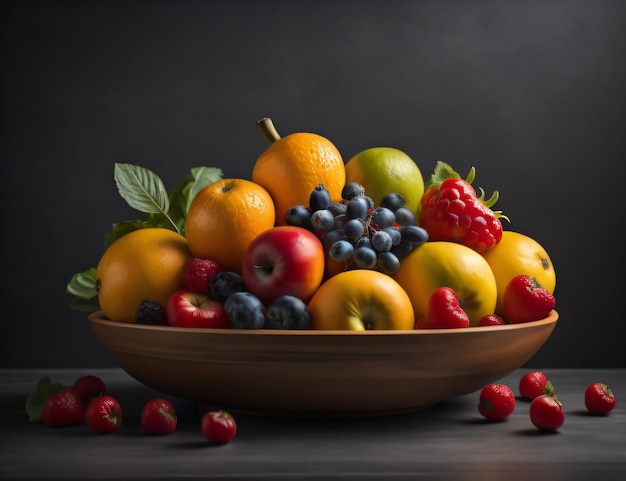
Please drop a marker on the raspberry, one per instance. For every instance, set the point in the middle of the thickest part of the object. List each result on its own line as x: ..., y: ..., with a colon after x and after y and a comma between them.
x: 451, y: 211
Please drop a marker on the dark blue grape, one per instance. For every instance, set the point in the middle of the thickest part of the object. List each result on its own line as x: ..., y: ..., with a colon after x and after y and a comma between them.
x: 337, y: 208
x: 365, y: 257
x: 329, y: 238
x: 287, y: 312
x: 319, y: 198
x: 381, y: 241
x: 245, y: 311
x: 402, y: 249
x: 413, y: 234
x: 405, y: 216
x: 299, y: 215
x: 388, y: 262
x: 226, y: 283
x: 323, y: 219
x: 357, y: 208
x: 364, y: 241
x: 352, y: 189
x: 354, y: 229
x: 382, y: 217
x: 341, y: 251
x: 392, y: 201
x: 340, y: 221
x: 395, y: 235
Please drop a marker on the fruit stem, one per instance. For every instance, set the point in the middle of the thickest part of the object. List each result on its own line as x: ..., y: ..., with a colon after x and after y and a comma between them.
x: 267, y: 129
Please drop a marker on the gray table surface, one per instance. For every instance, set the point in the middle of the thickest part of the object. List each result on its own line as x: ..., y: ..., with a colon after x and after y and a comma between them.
x: 449, y: 441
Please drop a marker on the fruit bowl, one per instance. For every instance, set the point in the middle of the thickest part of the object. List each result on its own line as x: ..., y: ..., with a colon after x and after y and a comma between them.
x: 326, y: 374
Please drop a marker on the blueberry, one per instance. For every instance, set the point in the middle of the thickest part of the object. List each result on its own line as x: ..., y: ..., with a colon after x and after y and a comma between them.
x: 226, y: 283
x: 319, y: 198
x: 299, y: 216
x: 245, y: 311
x: 287, y: 312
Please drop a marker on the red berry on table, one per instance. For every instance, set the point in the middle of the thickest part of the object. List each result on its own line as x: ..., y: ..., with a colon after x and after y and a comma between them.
x: 63, y: 408
x: 533, y: 384
x: 444, y: 311
x: 546, y: 413
x: 497, y: 402
x: 89, y: 387
x: 451, y: 211
x: 198, y: 274
x: 158, y: 417
x: 218, y: 426
x: 104, y: 414
x: 599, y: 399
x: 525, y: 300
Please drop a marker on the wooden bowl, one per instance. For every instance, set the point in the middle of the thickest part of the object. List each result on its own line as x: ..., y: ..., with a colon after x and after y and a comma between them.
x: 319, y: 373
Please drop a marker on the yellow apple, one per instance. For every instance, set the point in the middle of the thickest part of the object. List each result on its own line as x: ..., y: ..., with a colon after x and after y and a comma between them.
x: 519, y: 254
x: 448, y: 264
x: 360, y: 300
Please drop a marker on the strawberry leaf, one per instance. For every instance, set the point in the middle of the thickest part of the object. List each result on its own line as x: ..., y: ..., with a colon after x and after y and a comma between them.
x: 36, y: 400
x: 442, y: 172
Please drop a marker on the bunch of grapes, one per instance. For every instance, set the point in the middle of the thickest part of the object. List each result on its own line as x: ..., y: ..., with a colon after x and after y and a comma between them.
x: 357, y: 232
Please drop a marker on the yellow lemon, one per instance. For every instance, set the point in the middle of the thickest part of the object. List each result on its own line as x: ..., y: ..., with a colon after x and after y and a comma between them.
x: 448, y: 264
x: 385, y: 170
x: 519, y: 254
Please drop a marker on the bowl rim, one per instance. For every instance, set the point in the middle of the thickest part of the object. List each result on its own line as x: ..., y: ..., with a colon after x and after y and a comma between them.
x: 98, y: 317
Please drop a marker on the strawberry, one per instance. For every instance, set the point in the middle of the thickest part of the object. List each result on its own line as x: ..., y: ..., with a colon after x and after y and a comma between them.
x: 525, y: 300
x: 599, y: 399
x: 496, y: 402
x: 451, y: 211
x: 158, y: 417
x: 104, y: 414
x: 63, y: 408
x: 546, y: 413
x: 533, y: 384
x: 491, y: 320
x: 218, y: 426
x: 88, y: 387
x: 444, y: 311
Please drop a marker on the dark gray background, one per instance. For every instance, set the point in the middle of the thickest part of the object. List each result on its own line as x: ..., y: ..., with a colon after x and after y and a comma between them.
x: 531, y: 93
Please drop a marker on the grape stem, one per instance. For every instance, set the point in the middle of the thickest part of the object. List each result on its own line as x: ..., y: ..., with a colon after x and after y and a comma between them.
x: 266, y: 127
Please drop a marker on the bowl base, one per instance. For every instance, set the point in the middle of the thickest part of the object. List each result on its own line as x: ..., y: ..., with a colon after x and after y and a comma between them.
x: 321, y: 415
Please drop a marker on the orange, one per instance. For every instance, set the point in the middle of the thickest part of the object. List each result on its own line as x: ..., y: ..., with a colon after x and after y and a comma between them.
x: 224, y: 218
x: 292, y: 166
x: 145, y: 264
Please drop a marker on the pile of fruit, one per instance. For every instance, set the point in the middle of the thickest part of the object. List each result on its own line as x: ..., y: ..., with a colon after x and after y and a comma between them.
x: 314, y: 242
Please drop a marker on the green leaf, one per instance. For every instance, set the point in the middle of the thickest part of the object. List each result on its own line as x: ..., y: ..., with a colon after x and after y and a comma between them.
x: 202, y: 176
x: 183, y: 194
x: 83, y: 289
x: 36, y: 400
x: 141, y: 188
x: 83, y: 284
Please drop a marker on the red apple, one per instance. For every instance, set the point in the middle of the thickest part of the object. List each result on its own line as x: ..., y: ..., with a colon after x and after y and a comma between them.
x: 186, y: 308
x: 283, y: 261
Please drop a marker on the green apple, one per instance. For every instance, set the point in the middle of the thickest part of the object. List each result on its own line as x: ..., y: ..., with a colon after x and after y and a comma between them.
x: 385, y: 170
